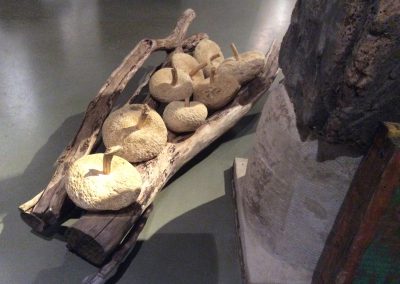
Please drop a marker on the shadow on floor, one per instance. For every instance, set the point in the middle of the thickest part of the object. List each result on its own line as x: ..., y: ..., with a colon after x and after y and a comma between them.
x: 189, y: 258
x: 165, y: 258
x: 37, y: 174
x: 192, y: 248
x: 247, y: 125
x: 182, y: 257
x: 23, y: 253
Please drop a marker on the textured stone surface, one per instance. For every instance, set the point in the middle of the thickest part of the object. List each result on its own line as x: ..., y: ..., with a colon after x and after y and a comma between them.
x: 162, y: 90
x: 179, y: 118
x: 187, y: 63
x: 217, y: 94
x: 90, y: 189
x: 250, y: 63
x: 137, y: 144
x: 341, y: 60
x: 289, y: 199
x: 204, y: 50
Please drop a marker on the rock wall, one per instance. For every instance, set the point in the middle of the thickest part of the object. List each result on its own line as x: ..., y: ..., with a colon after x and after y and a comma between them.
x: 341, y: 61
x: 289, y: 199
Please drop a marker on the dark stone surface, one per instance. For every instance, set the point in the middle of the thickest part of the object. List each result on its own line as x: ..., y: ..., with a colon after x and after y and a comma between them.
x: 341, y: 60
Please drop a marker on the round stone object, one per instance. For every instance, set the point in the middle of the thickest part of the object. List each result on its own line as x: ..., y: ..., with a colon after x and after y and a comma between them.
x: 249, y: 65
x: 204, y: 51
x: 90, y: 189
x: 218, y: 93
x: 163, y: 90
x: 138, y: 143
x: 180, y: 118
x: 187, y: 64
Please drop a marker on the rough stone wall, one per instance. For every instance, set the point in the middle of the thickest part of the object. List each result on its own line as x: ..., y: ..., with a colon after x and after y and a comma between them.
x: 341, y: 61
x: 291, y: 199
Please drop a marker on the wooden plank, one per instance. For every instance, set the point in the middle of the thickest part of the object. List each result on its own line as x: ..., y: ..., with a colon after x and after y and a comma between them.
x: 110, y: 268
x: 368, y: 198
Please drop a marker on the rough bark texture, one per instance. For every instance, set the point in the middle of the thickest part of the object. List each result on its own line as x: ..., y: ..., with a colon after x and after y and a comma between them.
x: 369, y: 196
x: 109, y: 269
x: 341, y: 61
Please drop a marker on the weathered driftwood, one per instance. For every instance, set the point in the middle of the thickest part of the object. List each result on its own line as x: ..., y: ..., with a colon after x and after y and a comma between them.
x: 45, y: 209
x: 368, y: 198
x: 120, y: 255
x: 95, y: 235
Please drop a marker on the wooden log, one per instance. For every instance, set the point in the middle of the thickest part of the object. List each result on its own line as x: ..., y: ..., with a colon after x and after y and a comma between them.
x: 95, y: 235
x: 365, y: 204
x: 45, y: 210
x: 109, y: 269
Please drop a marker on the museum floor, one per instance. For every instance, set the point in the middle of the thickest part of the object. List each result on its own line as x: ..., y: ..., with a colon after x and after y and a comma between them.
x: 54, y: 57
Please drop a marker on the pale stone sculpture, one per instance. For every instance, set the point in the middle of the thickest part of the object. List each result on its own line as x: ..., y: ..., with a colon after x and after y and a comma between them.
x: 206, y: 52
x: 138, y: 129
x: 170, y: 84
x: 216, y: 91
x: 188, y: 64
x: 185, y: 116
x: 102, y: 182
x: 244, y: 66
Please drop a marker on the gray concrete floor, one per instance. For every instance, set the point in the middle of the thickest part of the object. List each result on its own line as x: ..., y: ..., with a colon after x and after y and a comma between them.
x: 54, y: 56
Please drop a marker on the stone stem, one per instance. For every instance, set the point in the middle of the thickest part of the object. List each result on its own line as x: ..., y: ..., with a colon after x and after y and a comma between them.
x: 197, y: 69
x: 143, y: 116
x: 187, y: 102
x: 235, y: 51
x: 215, y: 56
x: 107, y: 158
x: 174, y: 76
x: 212, y: 75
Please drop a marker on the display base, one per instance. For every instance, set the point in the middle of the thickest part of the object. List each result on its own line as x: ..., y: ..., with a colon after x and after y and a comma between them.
x: 259, y: 265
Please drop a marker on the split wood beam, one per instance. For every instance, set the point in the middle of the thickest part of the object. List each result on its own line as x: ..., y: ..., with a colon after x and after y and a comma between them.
x: 368, y: 199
